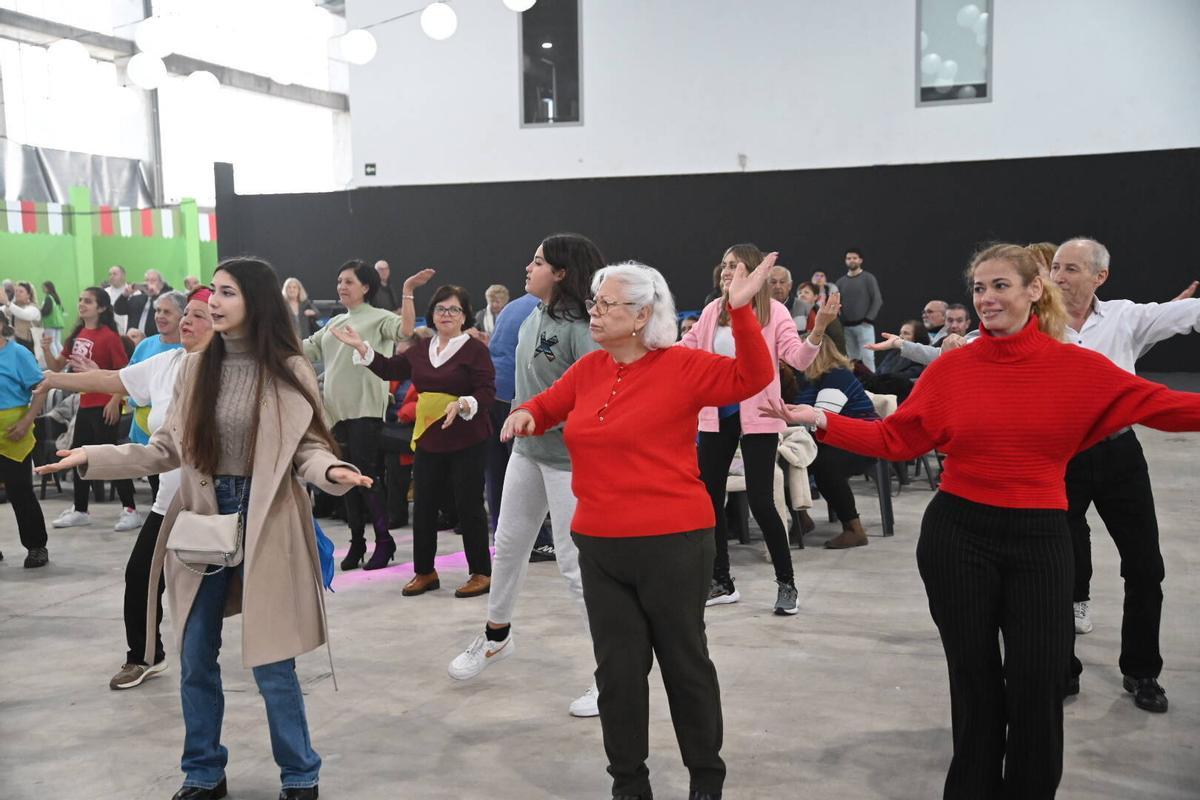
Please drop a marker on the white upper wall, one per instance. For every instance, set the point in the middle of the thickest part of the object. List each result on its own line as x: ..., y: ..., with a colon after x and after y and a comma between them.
x: 676, y: 87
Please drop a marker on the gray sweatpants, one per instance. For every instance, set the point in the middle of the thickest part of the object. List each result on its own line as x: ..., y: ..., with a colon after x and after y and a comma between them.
x: 530, y: 490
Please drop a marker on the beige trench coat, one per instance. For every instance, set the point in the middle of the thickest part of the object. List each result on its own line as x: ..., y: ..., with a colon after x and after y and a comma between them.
x: 281, y: 599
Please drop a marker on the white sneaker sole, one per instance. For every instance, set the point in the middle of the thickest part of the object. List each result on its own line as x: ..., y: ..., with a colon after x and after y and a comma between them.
x: 156, y: 669
x: 724, y: 599
x: 127, y: 526
x: 466, y: 675
x: 1084, y: 627
x: 70, y: 523
x: 582, y: 711
x: 781, y: 612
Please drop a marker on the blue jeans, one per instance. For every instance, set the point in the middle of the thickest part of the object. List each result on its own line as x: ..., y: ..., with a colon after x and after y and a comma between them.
x: 857, y: 337
x: 204, y: 757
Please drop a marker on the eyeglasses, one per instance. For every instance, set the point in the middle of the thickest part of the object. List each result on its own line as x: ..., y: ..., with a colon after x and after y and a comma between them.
x: 447, y: 311
x: 603, y: 306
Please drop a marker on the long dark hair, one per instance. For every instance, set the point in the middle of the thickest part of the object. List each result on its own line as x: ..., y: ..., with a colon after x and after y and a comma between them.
x: 581, y: 258
x: 273, y: 344
x: 49, y: 290
x: 106, y: 320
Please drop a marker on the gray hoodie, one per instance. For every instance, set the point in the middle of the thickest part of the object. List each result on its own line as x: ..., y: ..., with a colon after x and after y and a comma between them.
x: 546, y: 347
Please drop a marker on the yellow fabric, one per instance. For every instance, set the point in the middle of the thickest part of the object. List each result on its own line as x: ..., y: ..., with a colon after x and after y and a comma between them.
x: 141, y: 415
x: 18, y: 450
x: 431, y: 406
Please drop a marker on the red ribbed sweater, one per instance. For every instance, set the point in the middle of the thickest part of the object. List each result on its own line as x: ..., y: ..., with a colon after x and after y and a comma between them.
x: 631, y: 430
x: 1010, y: 412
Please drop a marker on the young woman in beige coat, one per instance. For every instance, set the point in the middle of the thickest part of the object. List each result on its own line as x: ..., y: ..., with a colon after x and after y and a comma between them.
x: 246, y: 430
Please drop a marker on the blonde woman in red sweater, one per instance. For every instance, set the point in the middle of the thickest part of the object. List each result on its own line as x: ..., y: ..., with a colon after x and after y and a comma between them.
x: 644, y: 522
x: 995, y: 552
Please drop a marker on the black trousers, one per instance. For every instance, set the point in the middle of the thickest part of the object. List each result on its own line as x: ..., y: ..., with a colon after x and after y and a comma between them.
x: 90, y: 428
x: 359, y: 441
x: 990, y: 571
x: 461, y: 471
x: 758, y: 454
x: 18, y: 485
x: 1113, y: 475
x: 153, y: 481
x: 137, y: 578
x: 831, y: 470
x: 645, y: 598
x: 497, y: 460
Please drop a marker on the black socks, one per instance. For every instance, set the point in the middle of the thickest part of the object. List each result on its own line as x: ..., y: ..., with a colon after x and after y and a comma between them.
x: 496, y: 634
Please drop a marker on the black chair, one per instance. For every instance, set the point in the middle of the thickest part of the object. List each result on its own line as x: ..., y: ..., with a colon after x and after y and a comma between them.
x: 879, y: 473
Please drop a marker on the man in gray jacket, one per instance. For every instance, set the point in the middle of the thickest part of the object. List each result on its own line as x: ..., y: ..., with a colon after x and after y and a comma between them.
x: 861, y: 301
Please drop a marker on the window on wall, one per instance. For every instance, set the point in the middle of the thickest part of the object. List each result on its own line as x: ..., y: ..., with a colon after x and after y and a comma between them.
x: 954, y: 51
x: 550, y: 90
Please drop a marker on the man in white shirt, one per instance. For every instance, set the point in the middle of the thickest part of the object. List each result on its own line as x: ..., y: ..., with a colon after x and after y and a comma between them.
x: 1113, y: 474
x: 117, y: 286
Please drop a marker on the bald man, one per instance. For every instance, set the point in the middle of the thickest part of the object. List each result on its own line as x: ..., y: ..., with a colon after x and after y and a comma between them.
x: 385, y: 298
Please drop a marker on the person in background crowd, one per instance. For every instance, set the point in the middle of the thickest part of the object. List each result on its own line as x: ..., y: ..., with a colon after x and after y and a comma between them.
x: 995, y: 547
x: 139, y: 308
x: 687, y: 323
x: 151, y: 384
x: 497, y: 297
x: 355, y: 403
x: 190, y: 284
x: 861, y: 302
x: 385, y: 297
x: 780, y: 284
x: 958, y: 320
x: 716, y: 290
x: 52, y: 315
x: 933, y: 317
x: 726, y: 428
x: 115, y: 286
x: 23, y: 314
x: 893, y: 363
x: 19, y: 407
x: 1113, y: 473
x: 823, y: 287
x: 642, y: 526
x: 247, y: 418
x: 807, y: 298
x: 829, y: 384
x: 455, y: 381
x: 10, y: 289
x: 502, y: 346
x: 538, y: 476
x: 95, y: 339
x: 303, y: 312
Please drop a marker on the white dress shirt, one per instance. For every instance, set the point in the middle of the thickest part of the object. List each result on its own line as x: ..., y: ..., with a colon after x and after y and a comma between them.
x: 1125, y: 331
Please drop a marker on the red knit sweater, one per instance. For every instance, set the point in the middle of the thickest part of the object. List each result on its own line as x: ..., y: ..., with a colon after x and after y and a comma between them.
x: 631, y: 430
x: 1010, y: 412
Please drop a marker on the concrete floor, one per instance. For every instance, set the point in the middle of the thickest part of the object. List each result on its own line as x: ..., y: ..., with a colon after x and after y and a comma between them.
x: 846, y: 700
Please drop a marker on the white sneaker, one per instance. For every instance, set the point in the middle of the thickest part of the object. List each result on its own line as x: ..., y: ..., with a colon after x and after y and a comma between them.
x: 128, y: 521
x: 479, y: 656
x: 71, y: 518
x: 585, y: 704
x: 1083, y: 620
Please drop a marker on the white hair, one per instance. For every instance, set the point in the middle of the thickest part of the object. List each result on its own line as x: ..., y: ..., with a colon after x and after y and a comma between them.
x: 645, y: 286
x: 1098, y: 257
x: 178, y: 299
x: 785, y: 271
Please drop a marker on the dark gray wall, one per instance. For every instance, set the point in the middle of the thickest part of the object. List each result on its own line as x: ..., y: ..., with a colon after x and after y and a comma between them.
x: 918, y: 225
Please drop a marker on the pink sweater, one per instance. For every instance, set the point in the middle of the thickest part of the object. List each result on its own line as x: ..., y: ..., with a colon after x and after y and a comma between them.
x: 783, y: 343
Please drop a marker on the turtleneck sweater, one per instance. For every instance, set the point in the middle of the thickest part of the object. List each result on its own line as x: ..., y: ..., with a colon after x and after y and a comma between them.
x: 351, y: 392
x: 235, y: 406
x: 1009, y: 412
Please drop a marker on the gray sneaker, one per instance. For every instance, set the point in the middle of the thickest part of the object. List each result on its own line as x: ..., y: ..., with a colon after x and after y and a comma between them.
x: 785, y: 599
x: 132, y: 675
x: 722, y: 593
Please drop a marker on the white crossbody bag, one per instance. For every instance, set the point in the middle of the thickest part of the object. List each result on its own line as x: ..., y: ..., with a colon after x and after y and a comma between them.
x: 210, y: 539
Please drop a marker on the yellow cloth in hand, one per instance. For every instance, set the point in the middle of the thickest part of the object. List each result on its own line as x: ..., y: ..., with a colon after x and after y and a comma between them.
x: 18, y: 450
x: 431, y: 406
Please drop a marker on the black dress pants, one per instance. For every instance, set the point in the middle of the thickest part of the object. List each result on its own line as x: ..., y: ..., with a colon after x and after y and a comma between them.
x: 399, y: 477
x: 990, y: 571
x: 18, y: 485
x: 359, y: 441
x: 137, y: 578
x: 1113, y: 475
x: 90, y: 428
x: 645, y: 598
x: 759, y: 451
x: 461, y: 471
x: 831, y: 470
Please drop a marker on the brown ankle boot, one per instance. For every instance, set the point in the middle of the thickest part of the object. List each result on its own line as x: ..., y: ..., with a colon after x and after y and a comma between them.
x: 477, y: 585
x: 420, y: 584
x: 852, y: 535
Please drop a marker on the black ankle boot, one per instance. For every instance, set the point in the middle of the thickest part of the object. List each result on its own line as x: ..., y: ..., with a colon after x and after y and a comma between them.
x: 354, y: 557
x: 384, y: 550
x: 309, y: 793
x: 196, y: 793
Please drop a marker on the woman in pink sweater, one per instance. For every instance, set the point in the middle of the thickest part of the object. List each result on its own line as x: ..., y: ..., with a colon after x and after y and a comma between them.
x: 722, y: 429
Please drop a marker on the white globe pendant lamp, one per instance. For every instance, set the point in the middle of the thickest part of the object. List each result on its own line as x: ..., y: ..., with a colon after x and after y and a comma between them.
x: 358, y: 46
x: 146, y: 71
x: 439, y: 21
x: 519, y: 5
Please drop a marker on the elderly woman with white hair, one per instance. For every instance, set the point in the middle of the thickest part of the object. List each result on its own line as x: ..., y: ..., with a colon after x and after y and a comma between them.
x: 644, y: 523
